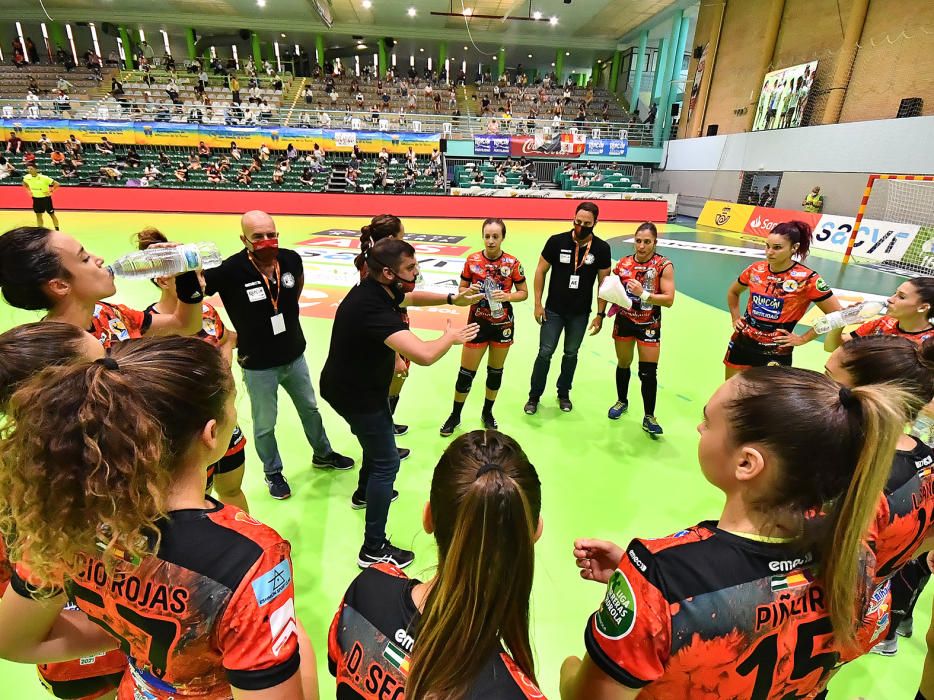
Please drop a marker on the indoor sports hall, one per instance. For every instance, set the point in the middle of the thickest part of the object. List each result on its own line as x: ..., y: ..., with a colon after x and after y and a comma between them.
x: 717, y: 121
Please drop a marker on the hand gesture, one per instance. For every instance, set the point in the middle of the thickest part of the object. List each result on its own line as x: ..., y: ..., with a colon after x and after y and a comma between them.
x: 739, y: 324
x: 539, y: 314
x: 597, y: 559
x: 467, y: 297
x: 596, y: 325
x: 786, y: 339
x: 459, y: 336
x: 635, y: 287
x: 499, y: 295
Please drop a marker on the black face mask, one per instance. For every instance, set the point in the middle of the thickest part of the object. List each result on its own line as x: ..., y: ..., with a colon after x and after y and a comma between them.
x: 582, y: 232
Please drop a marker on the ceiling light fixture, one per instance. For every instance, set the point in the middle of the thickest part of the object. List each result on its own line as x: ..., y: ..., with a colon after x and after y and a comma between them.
x: 530, y: 55
x: 536, y: 15
x: 282, y: 35
x: 411, y: 12
x: 367, y: 4
x: 421, y: 50
x: 468, y: 11
x: 261, y: 3
x: 465, y: 48
x: 567, y: 53
x: 553, y: 21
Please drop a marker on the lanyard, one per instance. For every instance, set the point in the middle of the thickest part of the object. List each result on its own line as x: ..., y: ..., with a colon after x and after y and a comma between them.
x: 578, y: 261
x: 273, y: 299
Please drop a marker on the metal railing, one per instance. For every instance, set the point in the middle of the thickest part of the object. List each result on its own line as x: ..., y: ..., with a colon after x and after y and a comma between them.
x: 224, y: 113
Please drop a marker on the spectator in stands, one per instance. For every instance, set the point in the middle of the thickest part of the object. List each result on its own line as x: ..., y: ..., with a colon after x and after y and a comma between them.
x: 527, y: 178
x: 265, y: 112
x: 45, y: 144
x: 195, y: 115
x: 318, y: 153
x: 14, y: 144
x: 57, y: 157
x: 105, y: 147
x: 814, y: 202
x: 109, y: 173
x: 234, y: 85
x: 499, y: 179
x: 152, y: 172
x: 653, y: 112
x: 325, y: 120
x: 380, y: 176
x: 163, y: 111
x: 203, y: 80
x: 31, y: 51
x: 69, y: 169
x: 437, y: 99
x: 223, y: 164
x: 352, y: 180
x: 374, y: 113
x: 605, y: 111
x: 309, y: 97
x: 256, y: 165
x: 581, y: 116
x: 245, y: 176
x: 410, y: 179
x: 277, y: 83
x: 479, y: 178
x: 767, y: 198
x: 307, y: 177
x: 292, y: 153
x: 171, y: 89
x: 263, y: 152
x: 163, y: 159
x: 29, y: 158
x: 19, y: 58
x: 754, y: 196
x: 6, y: 168
x: 284, y: 164
x: 383, y: 154
x: 181, y: 172
x: 132, y: 157
x: 203, y: 150
x: 194, y: 162
x: 215, y: 176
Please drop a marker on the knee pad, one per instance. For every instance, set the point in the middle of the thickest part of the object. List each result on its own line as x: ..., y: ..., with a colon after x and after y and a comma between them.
x: 648, y: 370
x: 494, y: 378
x: 464, y: 380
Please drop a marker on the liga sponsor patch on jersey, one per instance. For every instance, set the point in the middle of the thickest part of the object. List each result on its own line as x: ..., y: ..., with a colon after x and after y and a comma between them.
x: 617, y: 615
x: 767, y: 307
x: 271, y: 585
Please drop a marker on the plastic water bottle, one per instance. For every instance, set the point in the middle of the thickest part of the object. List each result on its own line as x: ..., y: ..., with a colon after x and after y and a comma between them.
x: 166, y: 262
x: 648, y: 285
x: 850, y: 315
x: 496, y: 307
x: 923, y: 429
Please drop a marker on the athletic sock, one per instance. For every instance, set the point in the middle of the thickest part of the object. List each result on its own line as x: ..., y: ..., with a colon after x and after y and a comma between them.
x: 457, y: 408
x: 649, y: 380
x: 393, y: 402
x: 622, y: 383
x: 488, y: 406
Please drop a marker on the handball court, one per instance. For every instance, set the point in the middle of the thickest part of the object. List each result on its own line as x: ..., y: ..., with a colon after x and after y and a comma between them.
x: 600, y: 478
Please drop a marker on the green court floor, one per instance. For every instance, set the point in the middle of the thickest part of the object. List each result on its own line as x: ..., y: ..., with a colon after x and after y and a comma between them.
x: 600, y: 478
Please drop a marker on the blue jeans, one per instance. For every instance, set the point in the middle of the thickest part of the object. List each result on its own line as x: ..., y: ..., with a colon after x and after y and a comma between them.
x: 378, y: 470
x: 263, y: 387
x: 574, y: 328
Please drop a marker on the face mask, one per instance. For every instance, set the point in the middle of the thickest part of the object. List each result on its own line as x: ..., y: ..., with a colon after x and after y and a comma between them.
x: 582, y: 232
x: 405, y: 286
x: 266, y: 250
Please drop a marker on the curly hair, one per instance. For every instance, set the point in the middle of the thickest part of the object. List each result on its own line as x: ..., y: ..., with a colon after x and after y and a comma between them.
x: 90, y: 449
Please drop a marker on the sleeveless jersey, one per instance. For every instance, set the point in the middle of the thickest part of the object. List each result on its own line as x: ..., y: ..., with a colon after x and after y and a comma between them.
x: 778, y: 300
x: 705, y: 613
x: 372, y: 636
x: 502, y: 273
x: 905, y: 511
x: 886, y: 325
x: 212, y: 326
x: 213, y: 609
x: 114, y: 323
x: 649, y: 275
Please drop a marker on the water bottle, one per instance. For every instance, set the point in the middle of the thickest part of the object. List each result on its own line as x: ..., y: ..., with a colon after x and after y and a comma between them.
x: 648, y: 285
x: 850, y: 315
x: 923, y: 429
x: 496, y: 307
x: 166, y: 262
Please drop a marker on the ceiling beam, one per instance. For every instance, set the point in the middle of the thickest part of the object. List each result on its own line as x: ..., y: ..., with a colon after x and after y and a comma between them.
x: 632, y: 36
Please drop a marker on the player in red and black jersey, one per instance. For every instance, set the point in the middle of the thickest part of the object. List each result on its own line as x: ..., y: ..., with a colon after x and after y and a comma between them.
x: 501, y: 278
x: 394, y: 635
x: 903, y: 519
x: 649, y: 280
x: 198, y: 595
x: 780, y: 291
x: 909, y: 314
x: 44, y: 269
x: 380, y: 227
x: 742, y: 607
x: 226, y: 475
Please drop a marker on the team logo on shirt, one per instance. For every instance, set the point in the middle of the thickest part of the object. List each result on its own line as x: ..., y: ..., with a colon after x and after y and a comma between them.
x: 505, y: 271
x: 821, y: 285
x: 617, y: 615
x: 282, y: 625
x: 589, y: 258
x: 118, y: 329
x: 288, y: 280
x: 766, y: 307
x: 507, y: 333
x: 271, y: 584
x: 790, y: 286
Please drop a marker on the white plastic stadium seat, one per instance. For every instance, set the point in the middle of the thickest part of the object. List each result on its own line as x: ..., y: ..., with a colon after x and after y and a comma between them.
x: 384, y: 125
x: 356, y: 124
x: 595, y: 133
x: 416, y: 126
x: 446, y: 128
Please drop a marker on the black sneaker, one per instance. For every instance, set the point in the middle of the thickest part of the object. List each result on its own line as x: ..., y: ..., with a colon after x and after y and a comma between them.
x: 278, y: 486
x: 448, y: 428
x: 564, y: 403
x: 358, y: 502
x: 531, y: 407
x: 386, y: 554
x: 489, y: 422
x: 399, y: 429
x: 333, y: 461
x: 404, y: 453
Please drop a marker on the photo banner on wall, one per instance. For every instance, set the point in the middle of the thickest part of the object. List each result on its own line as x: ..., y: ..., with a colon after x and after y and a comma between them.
x: 784, y: 97
x: 556, y: 146
x: 607, y: 147
x: 219, y: 136
x: 490, y: 145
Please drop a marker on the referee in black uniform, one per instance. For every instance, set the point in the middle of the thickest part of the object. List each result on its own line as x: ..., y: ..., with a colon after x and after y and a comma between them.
x: 368, y: 332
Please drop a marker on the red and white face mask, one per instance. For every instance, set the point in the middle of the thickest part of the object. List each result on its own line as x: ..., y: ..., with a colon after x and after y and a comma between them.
x: 266, y: 250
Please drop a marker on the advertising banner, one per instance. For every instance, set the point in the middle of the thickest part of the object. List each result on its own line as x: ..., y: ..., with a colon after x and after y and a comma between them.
x: 220, y: 136
x: 764, y: 219
x: 490, y: 145
x: 725, y: 215
x: 607, y: 147
x: 698, y: 79
x: 557, y: 146
x: 784, y: 97
x: 877, y: 240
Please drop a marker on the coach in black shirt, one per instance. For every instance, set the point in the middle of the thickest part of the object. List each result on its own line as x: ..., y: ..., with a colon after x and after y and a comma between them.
x: 260, y: 287
x: 578, y: 261
x: 368, y: 332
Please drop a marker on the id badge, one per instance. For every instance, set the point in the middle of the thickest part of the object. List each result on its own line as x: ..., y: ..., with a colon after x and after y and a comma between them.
x: 278, y: 324
x: 574, y: 282
x: 564, y: 258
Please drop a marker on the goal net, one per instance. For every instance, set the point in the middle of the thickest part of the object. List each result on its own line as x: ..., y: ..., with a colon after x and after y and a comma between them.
x: 894, y: 228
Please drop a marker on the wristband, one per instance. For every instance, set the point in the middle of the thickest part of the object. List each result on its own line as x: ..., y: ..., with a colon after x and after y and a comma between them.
x: 188, y: 288
x: 601, y: 314
x: 450, y: 298
x: 645, y: 295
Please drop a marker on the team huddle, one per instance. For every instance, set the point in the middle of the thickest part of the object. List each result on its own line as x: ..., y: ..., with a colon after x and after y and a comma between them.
x: 132, y: 568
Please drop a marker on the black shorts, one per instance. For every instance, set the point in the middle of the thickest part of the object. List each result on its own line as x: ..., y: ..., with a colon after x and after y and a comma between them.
x: 43, y: 205
x: 643, y: 333
x: 497, y: 334
x: 744, y: 353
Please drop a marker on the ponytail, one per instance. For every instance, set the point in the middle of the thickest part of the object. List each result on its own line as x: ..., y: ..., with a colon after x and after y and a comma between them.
x: 798, y: 232
x: 485, y: 502
x: 878, y: 413
x: 924, y: 288
x: 380, y: 227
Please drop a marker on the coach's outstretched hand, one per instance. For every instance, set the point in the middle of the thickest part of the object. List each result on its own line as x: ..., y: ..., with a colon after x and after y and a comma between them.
x: 462, y: 335
x: 597, y: 559
x: 468, y: 297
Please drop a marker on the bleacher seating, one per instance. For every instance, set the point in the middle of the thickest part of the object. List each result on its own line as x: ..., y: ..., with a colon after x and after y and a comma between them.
x: 599, y: 179
x: 14, y: 83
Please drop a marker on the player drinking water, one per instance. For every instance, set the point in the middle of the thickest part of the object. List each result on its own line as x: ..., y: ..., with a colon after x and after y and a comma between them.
x: 780, y: 291
x: 903, y: 519
x: 754, y: 605
x: 111, y: 512
x: 43, y: 269
x: 649, y: 279
x: 908, y: 314
x: 226, y: 476
x: 447, y: 637
x: 24, y: 351
x: 380, y: 227
x: 501, y: 278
